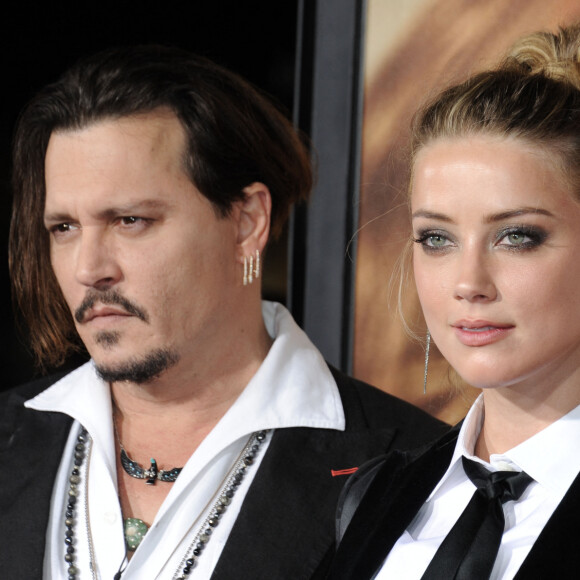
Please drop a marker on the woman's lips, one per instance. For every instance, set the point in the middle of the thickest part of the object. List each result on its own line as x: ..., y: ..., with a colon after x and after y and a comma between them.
x: 480, y: 333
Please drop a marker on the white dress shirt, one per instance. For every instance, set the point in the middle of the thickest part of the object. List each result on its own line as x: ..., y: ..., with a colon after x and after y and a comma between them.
x: 292, y: 388
x: 550, y: 457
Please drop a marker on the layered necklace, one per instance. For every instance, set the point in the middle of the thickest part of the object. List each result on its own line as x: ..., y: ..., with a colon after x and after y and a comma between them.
x: 134, y: 528
x: 223, y: 498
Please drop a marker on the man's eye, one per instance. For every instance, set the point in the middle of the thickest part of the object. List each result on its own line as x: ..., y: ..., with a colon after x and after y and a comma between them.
x: 130, y: 220
x: 61, y: 228
x: 134, y: 224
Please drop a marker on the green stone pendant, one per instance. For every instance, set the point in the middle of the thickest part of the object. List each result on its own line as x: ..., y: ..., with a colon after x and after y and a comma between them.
x: 135, y: 530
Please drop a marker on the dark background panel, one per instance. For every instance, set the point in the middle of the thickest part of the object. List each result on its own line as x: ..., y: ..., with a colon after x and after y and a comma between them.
x: 329, y: 108
x: 255, y: 38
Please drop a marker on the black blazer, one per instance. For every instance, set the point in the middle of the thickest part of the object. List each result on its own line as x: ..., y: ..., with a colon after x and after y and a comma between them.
x: 285, y: 529
x: 400, y: 486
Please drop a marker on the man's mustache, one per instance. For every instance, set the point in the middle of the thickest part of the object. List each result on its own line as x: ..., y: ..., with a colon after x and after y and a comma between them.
x: 110, y: 297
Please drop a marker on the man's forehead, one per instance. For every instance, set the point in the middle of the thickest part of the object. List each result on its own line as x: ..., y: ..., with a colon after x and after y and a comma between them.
x: 116, y: 167
x: 129, y: 149
x: 157, y: 128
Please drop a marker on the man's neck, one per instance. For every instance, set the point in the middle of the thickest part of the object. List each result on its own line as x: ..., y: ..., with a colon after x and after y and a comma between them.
x: 196, y: 392
x: 169, y: 418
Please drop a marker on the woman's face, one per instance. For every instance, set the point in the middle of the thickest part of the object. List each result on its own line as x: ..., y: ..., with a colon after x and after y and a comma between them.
x: 497, y: 261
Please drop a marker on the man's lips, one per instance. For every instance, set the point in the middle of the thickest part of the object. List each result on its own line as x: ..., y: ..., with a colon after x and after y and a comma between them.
x: 107, y: 304
x: 480, y: 332
x: 104, y: 312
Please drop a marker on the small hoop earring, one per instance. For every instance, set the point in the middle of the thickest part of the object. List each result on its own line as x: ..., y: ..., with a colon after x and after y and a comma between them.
x: 427, y: 348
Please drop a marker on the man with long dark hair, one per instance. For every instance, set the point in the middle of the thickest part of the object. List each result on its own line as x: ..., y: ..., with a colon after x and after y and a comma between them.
x: 206, y: 436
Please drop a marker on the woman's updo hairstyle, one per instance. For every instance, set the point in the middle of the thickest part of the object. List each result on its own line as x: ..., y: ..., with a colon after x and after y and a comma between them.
x: 533, y: 95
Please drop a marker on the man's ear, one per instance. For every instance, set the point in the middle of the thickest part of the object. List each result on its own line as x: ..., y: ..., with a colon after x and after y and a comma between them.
x: 253, y: 215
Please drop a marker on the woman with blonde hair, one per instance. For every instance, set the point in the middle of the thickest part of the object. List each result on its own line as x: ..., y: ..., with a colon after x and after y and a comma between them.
x: 495, y: 213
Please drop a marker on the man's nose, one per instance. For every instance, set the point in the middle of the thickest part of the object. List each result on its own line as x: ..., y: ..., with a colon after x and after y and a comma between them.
x: 96, y: 264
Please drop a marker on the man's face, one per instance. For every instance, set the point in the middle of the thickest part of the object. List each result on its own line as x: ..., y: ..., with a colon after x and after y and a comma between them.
x: 146, y: 266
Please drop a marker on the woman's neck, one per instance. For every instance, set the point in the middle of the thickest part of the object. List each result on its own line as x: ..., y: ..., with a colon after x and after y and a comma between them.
x: 514, y: 414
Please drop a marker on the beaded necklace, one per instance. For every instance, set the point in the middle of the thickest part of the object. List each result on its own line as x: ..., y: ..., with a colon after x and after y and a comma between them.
x: 224, y: 498
x: 201, y: 538
x: 71, y: 511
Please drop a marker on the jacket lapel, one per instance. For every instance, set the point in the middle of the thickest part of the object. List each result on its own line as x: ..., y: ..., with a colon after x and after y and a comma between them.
x: 291, y: 505
x: 294, y: 485
x: 30, y: 453
x: 391, y: 502
x: 555, y: 552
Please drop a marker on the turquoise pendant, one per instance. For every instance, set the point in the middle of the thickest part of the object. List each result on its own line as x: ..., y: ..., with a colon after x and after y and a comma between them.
x: 135, y: 530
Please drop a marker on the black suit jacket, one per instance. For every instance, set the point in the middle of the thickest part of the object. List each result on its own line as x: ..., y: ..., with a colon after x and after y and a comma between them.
x: 398, y: 489
x: 285, y: 528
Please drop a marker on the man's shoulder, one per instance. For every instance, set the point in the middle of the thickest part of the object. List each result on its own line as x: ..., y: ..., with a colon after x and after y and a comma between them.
x: 31, y: 388
x: 377, y: 408
x: 15, y: 417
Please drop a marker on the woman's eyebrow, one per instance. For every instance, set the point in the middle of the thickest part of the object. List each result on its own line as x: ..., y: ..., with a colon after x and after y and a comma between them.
x: 491, y: 218
x: 517, y: 212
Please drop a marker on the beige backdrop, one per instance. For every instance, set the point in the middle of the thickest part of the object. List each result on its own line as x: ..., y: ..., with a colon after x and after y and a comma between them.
x: 413, y: 48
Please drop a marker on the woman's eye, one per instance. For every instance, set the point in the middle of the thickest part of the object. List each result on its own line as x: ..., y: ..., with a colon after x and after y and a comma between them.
x: 521, y: 238
x: 436, y: 241
x: 433, y: 240
x: 517, y: 238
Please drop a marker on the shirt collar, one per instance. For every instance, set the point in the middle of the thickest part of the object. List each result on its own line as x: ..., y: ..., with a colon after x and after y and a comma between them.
x: 466, y: 439
x: 550, y: 456
x: 86, y: 398
x: 292, y: 388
